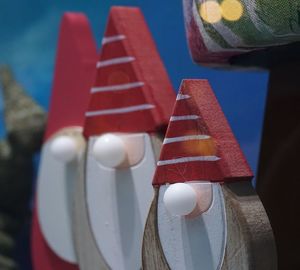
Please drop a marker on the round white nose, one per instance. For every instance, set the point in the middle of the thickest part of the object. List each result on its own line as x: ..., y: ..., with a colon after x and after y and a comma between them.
x: 180, y: 199
x: 64, y: 148
x: 110, y: 150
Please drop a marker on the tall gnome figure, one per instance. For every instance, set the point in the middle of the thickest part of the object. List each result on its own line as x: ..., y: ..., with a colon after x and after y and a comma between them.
x: 63, y: 148
x: 205, y: 214
x: 129, y: 109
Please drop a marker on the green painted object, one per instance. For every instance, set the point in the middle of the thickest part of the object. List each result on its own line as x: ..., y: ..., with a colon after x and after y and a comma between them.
x: 220, y: 29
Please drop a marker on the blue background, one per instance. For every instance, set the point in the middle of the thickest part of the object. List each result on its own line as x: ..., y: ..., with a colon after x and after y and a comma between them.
x: 28, y: 39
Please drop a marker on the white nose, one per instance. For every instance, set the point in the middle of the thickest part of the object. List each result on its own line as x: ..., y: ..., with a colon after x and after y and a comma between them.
x: 110, y: 150
x: 180, y: 199
x: 64, y: 148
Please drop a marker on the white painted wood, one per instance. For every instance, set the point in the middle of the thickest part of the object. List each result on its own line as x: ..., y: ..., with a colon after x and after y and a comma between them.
x: 88, y: 255
x: 194, y: 243
x: 118, y: 201
x: 54, y: 201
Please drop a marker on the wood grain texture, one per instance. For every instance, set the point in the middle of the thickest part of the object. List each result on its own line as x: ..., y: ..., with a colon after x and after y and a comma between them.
x: 152, y: 253
x: 278, y: 181
x: 250, y: 242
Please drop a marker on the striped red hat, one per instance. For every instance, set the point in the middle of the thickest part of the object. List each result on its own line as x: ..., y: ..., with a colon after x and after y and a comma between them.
x: 132, y: 91
x: 199, y: 143
x: 74, y: 73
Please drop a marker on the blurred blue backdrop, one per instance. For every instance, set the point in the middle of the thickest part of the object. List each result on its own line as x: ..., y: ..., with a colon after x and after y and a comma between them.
x: 28, y: 38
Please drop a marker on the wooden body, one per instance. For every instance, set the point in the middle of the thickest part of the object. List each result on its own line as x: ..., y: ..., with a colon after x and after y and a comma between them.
x: 118, y: 201
x: 250, y: 243
x: 123, y: 199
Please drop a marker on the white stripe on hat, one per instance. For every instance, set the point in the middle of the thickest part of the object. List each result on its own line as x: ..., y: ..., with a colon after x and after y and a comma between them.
x: 115, y: 61
x: 120, y: 110
x: 187, y: 159
x: 186, y: 138
x: 116, y: 87
x: 184, y: 117
x: 181, y: 97
x: 110, y: 39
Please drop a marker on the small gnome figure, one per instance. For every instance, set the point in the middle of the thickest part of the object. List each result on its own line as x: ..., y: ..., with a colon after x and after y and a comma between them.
x: 25, y: 121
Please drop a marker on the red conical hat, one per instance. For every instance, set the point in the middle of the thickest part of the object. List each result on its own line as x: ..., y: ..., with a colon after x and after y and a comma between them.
x: 199, y: 143
x: 132, y: 91
x: 74, y: 74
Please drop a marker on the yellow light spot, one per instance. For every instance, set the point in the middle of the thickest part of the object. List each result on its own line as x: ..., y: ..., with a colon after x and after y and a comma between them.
x: 210, y: 11
x: 232, y: 10
x: 205, y: 147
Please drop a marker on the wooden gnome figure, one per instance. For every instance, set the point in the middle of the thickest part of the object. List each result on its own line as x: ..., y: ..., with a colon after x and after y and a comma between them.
x: 205, y: 214
x: 129, y: 109
x: 63, y: 148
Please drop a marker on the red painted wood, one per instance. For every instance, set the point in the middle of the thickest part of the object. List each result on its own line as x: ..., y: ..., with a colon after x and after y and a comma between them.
x: 146, y: 67
x: 227, y: 162
x: 74, y: 74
